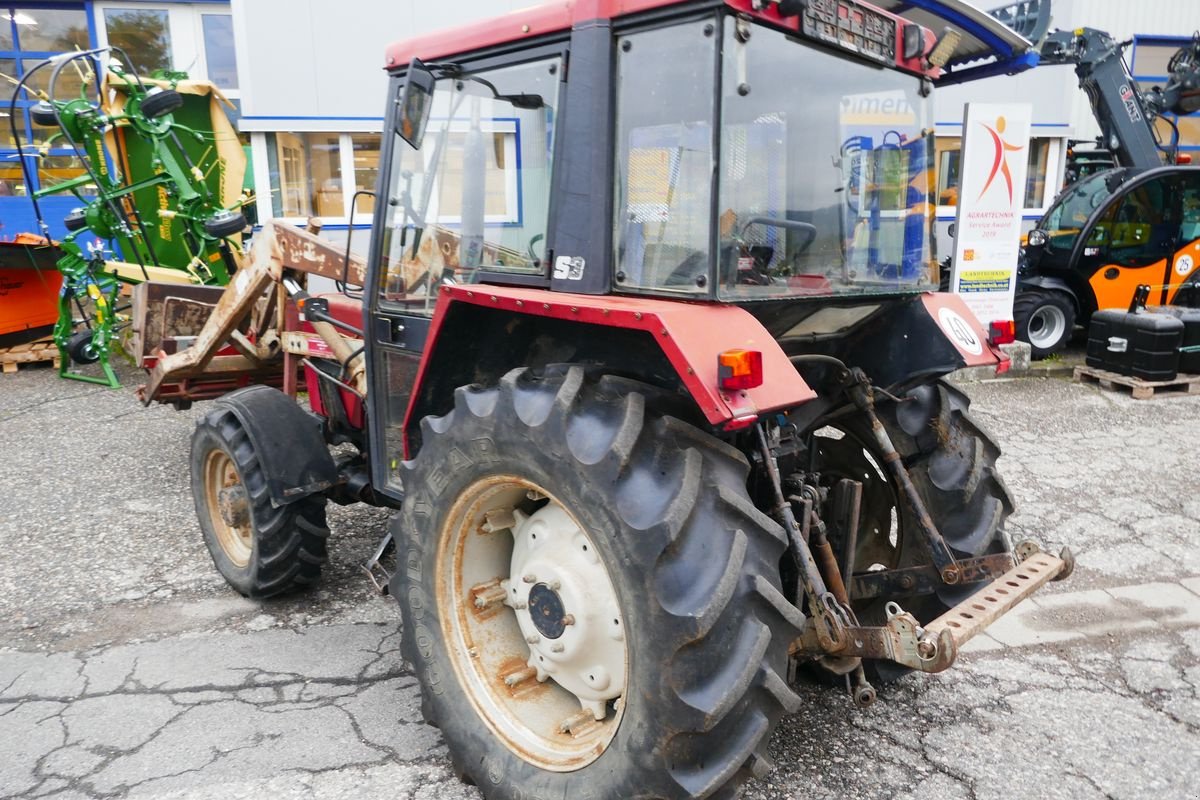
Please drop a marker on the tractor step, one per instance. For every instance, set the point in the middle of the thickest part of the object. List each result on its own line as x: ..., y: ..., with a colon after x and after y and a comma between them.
x: 1000, y: 596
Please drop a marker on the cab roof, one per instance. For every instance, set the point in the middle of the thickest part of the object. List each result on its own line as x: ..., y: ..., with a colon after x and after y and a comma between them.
x: 986, y: 41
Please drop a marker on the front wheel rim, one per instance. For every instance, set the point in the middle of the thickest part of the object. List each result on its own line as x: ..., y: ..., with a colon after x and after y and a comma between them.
x: 1047, y: 325
x: 228, y: 508
x: 532, y: 623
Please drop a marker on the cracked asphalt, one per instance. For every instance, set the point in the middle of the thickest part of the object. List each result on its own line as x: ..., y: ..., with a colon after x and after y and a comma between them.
x: 129, y: 669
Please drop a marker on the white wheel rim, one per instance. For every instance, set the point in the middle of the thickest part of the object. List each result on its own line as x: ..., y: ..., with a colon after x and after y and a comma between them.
x: 1046, y: 326
x: 532, y: 623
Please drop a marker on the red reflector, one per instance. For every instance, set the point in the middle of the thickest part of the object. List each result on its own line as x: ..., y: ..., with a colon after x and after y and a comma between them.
x: 1004, y: 365
x: 1183, y: 158
x: 741, y: 423
x: 740, y: 369
x: 1003, y: 332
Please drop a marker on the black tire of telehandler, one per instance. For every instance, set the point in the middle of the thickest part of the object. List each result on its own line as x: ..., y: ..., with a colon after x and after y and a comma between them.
x: 694, y: 565
x: 952, y: 462
x: 289, y: 543
x: 161, y: 103
x: 1030, y: 303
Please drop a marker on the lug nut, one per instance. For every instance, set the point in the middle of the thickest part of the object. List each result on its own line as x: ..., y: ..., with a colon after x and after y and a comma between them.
x: 557, y: 647
x: 568, y: 619
x: 533, y: 638
x: 520, y: 676
x: 530, y: 578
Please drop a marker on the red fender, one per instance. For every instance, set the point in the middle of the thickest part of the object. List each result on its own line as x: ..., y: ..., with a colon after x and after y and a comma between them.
x: 691, y: 336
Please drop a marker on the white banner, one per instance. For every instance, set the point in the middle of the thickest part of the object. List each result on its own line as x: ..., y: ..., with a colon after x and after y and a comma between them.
x: 991, y: 200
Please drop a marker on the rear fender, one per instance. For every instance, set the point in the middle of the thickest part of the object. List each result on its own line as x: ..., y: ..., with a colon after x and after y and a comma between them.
x: 917, y: 339
x: 480, y: 332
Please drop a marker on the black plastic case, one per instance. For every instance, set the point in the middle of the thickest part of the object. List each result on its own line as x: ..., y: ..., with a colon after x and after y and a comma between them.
x: 1142, y: 344
x: 1189, y: 363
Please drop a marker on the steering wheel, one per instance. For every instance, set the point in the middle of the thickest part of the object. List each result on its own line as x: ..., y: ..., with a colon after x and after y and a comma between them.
x: 806, y: 228
x: 533, y: 256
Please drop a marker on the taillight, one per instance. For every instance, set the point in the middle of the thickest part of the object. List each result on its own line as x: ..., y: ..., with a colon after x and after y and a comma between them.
x: 740, y: 369
x: 1003, y: 332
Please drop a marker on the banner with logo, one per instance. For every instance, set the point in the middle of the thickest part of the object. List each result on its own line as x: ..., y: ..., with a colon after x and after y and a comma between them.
x: 991, y: 199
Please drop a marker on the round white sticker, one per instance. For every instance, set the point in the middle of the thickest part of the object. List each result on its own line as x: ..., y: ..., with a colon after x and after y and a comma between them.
x: 960, y: 331
x: 1183, y: 265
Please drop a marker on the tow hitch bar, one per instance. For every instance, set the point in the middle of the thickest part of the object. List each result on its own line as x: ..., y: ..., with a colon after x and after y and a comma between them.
x: 935, y: 647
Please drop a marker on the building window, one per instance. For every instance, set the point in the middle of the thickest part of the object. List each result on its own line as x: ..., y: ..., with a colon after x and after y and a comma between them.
x: 218, y: 49
x: 144, y: 35
x: 196, y: 39
x: 317, y: 174
x: 28, y: 36
x: 949, y: 156
x: 1151, y: 67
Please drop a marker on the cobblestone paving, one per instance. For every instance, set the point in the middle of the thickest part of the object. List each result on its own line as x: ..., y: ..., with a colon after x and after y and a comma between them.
x: 127, y: 669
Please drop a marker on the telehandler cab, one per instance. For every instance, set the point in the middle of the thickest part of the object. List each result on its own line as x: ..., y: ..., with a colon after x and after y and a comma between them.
x: 649, y: 357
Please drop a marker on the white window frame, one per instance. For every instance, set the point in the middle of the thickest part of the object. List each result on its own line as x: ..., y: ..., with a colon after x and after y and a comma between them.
x: 265, y: 191
x: 1050, y: 186
x: 187, y: 33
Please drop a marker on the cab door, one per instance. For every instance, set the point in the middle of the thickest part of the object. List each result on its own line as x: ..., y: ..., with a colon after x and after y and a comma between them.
x: 470, y: 205
x: 1185, y: 266
x: 1133, y: 243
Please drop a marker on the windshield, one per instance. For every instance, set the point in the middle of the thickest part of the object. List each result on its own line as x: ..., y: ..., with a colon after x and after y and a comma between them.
x: 1074, y: 208
x: 476, y: 195
x: 826, y: 173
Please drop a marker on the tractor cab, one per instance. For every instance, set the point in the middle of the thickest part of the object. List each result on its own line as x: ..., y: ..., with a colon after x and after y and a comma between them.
x: 727, y: 184
x: 770, y: 157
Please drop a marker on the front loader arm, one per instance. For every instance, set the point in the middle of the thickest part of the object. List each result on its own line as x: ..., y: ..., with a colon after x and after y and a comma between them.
x: 277, y: 248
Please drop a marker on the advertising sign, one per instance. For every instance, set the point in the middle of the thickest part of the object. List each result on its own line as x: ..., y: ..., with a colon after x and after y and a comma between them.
x: 991, y: 198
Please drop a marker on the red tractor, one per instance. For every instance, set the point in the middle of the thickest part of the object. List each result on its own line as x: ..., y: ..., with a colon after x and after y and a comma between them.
x: 648, y: 355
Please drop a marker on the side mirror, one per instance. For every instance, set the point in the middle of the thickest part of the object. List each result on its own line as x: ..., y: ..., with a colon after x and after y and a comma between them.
x: 416, y: 103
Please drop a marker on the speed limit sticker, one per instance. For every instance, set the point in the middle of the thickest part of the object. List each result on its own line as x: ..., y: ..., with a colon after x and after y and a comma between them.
x: 1183, y: 266
x: 959, y: 331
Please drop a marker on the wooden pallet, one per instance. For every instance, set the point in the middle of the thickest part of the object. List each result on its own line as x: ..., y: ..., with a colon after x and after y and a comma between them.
x: 1140, y: 389
x: 33, y: 353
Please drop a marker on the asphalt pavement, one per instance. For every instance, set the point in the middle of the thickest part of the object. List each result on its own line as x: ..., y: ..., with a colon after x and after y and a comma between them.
x: 129, y: 669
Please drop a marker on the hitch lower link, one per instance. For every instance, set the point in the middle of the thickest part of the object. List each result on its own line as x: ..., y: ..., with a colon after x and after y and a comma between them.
x: 834, y: 635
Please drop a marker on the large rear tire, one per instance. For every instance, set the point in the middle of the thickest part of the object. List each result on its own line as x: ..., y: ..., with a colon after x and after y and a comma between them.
x: 260, y: 549
x: 952, y: 463
x: 693, y: 591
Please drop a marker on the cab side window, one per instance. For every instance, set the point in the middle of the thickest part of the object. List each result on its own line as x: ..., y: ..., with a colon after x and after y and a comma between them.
x: 1143, y: 224
x: 1189, y: 229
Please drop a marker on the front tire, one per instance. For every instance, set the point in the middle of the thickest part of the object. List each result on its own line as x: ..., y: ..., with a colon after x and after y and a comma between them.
x: 692, y: 569
x: 260, y: 549
x: 1046, y: 320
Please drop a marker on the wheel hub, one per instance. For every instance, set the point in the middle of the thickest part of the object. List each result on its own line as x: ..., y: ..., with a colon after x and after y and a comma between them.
x: 1047, y: 326
x: 566, y: 608
x: 546, y: 611
x: 234, y: 505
